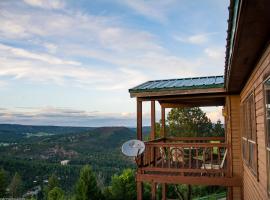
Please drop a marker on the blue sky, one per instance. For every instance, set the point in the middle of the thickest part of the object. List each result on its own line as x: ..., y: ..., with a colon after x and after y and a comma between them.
x: 72, y: 62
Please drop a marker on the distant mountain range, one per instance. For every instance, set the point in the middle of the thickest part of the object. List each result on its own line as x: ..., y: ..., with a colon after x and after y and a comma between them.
x: 17, y: 132
x: 36, y: 151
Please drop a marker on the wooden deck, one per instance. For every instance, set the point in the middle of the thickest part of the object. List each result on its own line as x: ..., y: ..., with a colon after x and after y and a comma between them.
x: 186, y: 160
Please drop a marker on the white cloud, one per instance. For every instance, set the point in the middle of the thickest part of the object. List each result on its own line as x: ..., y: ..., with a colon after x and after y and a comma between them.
x: 197, y: 39
x: 3, y: 84
x: 152, y: 9
x: 21, y: 53
x: 214, y: 113
x: 63, y: 117
x: 122, y: 56
x: 47, y: 4
x: 21, y: 64
x: 52, y: 48
x: 215, y: 53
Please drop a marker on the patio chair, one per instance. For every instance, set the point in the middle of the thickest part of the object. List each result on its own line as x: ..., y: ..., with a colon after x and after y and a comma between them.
x: 164, y: 158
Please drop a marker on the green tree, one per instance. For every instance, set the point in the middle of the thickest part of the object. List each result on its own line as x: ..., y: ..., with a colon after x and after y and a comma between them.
x: 52, y: 183
x: 56, y: 194
x: 218, y: 129
x: 123, y: 186
x: 188, y: 122
x: 3, y: 183
x: 15, y: 187
x: 86, y: 187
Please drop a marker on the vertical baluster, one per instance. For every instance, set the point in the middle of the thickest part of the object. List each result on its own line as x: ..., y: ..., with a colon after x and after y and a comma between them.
x: 204, y: 155
x: 148, y: 156
x: 211, y: 154
x: 197, y: 156
x: 162, y: 156
x: 219, y: 156
x: 145, y: 157
x: 189, y: 157
x: 156, y: 155
x: 169, y: 157
x: 151, y: 157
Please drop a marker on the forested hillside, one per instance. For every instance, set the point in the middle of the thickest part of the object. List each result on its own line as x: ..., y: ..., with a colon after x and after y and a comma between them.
x: 35, y: 152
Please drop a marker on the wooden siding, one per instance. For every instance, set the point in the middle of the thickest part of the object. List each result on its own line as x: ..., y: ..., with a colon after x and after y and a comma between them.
x: 256, y: 187
x: 234, y: 140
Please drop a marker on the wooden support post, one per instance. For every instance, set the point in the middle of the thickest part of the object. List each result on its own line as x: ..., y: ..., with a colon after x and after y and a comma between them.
x: 153, y: 191
x: 139, y: 190
x: 153, y: 121
x: 230, y: 193
x: 163, y: 131
x: 139, y: 119
x: 153, y: 131
x: 164, y: 191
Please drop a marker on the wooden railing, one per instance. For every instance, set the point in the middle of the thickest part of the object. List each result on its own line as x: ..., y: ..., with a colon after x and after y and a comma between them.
x: 186, y: 156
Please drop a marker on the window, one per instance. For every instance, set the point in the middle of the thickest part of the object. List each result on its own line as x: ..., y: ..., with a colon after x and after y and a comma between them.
x: 267, y: 134
x: 249, y: 137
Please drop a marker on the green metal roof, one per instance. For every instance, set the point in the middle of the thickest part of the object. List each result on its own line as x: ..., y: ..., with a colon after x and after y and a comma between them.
x: 180, y: 84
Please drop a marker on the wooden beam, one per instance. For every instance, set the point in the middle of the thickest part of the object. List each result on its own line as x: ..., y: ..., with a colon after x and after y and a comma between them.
x: 164, y: 191
x: 163, y: 128
x: 177, y: 92
x: 171, y: 179
x: 191, y: 103
x: 139, y: 119
x: 153, y: 121
x: 175, y: 105
x: 153, y: 191
x: 185, y: 97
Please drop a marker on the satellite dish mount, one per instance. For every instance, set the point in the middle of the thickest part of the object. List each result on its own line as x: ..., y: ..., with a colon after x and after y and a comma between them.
x: 133, y: 148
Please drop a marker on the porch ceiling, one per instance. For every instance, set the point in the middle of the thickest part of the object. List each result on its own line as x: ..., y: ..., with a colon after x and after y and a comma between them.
x: 191, y: 100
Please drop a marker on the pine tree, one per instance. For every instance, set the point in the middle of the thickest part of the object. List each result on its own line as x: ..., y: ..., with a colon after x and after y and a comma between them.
x: 52, y: 183
x: 56, y: 194
x: 124, y: 186
x: 3, y: 183
x: 15, y: 187
x: 218, y: 129
x: 86, y: 187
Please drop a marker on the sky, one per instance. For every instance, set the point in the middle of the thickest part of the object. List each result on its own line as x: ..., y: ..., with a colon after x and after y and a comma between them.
x: 72, y: 62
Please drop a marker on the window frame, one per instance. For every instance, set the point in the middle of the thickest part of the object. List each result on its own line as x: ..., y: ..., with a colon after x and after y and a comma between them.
x: 249, y: 135
x: 267, y: 133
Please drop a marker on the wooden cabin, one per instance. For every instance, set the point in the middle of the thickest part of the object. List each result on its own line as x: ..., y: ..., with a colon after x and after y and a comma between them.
x: 242, y: 157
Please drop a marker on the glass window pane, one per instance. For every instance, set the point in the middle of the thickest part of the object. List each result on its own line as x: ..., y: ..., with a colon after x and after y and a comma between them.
x: 268, y: 171
x: 267, y: 101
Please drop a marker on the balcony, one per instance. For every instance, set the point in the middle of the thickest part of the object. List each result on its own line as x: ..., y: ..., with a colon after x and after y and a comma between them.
x: 200, y: 160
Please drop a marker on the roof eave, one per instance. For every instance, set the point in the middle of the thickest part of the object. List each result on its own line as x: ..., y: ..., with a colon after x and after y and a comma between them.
x: 180, y: 92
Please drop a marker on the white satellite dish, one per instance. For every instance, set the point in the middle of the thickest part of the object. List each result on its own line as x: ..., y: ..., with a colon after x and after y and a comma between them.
x: 133, y: 148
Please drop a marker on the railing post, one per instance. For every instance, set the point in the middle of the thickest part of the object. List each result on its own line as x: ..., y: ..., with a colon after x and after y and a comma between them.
x: 139, y: 137
x: 139, y: 119
x: 153, y: 120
